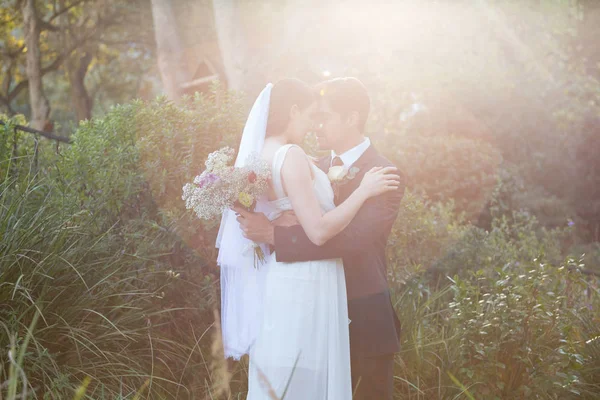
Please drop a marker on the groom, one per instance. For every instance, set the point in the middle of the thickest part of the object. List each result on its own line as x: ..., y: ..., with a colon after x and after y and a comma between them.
x: 343, y: 108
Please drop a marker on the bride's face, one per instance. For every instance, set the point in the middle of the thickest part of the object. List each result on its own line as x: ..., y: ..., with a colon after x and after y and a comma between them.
x: 300, y: 122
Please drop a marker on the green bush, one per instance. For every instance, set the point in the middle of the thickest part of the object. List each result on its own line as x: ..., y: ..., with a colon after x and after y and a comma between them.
x: 451, y: 168
x: 100, y: 244
x: 96, y: 242
x: 517, y: 332
x: 423, y: 233
x: 483, y: 316
x: 431, y: 237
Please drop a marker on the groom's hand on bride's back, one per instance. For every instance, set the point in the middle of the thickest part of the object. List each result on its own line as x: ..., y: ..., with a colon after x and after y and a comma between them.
x: 286, y: 219
x: 255, y: 226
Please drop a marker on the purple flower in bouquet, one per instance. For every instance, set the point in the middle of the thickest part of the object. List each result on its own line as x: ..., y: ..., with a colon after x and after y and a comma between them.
x: 209, y: 199
x: 208, y: 179
x: 243, y: 185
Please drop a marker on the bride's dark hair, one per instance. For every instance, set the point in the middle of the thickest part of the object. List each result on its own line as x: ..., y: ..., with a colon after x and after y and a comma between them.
x: 285, y: 94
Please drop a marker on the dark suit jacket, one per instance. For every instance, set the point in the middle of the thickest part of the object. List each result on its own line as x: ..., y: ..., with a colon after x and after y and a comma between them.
x: 375, y: 328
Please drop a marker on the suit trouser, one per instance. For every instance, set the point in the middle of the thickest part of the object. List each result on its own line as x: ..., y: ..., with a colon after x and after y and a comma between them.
x: 373, y: 377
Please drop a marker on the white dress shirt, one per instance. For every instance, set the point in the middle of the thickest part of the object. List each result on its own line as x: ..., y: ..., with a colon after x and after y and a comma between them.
x: 352, y: 155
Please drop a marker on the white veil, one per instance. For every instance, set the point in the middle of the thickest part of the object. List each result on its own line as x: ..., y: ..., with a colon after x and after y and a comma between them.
x: 241, y: 283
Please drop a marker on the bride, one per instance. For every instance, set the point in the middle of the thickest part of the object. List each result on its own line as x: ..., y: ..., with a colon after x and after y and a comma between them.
x: 291, y: 318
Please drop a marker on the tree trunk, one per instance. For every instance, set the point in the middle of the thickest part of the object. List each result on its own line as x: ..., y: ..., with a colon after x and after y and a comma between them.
x: 76, y: 67
x: 40, y: 109
x: 82, y: 102
x: 171, y: 60
x: 245, y: 43
x: 256, y: 39
x: 231, y: 42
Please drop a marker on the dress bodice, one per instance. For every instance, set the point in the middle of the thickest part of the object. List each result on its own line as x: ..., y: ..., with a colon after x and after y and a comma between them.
x: 321, y: 185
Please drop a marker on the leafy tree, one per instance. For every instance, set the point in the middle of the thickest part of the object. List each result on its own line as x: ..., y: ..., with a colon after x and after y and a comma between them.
x: 87, y: 48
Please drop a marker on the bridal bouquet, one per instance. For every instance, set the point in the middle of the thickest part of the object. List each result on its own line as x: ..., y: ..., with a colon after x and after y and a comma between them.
x: 221, y: 186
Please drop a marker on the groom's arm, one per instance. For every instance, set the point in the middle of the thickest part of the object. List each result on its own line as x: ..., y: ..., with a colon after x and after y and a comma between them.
x: 372, y: 222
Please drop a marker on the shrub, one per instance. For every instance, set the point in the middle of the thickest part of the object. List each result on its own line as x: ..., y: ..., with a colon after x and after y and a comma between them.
x: 97, y: 241
x: 517, y: 333
x: 448, y: 168
x: 483, y: 316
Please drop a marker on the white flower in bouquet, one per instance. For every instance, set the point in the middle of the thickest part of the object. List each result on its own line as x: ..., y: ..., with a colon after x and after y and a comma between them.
x: 221, y: 186
x: 219, y: 160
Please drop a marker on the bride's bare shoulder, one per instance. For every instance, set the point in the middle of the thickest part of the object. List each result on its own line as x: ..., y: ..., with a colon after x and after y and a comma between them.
x: 295, y: 158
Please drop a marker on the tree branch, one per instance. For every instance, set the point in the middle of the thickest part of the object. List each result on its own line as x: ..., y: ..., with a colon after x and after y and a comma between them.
x: 15, y: 92
x: 66, y: 9
x: 54, y: 65
x: 8, y: 78
x: 99, y: 28
x: 10, y: 110
x: 124, y: 42
x: 42, y: 133
x: 15, y: 53
x: 47, y: 26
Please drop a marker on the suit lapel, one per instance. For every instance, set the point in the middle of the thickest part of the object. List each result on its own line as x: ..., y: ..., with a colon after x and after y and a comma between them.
x: 366, y: 159
x: 364, y: 163
x: 324, y: 163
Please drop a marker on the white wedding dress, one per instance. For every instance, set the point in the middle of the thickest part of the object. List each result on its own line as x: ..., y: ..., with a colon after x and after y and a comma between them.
x: 302, y: 343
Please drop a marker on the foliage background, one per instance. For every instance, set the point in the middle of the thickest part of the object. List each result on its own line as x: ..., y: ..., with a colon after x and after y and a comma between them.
x: 491, y: 110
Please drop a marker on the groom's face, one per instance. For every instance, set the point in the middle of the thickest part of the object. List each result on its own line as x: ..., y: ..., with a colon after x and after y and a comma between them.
x: 329, y: 126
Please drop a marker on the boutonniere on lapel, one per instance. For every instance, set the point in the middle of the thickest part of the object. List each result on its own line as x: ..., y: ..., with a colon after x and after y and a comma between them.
x: 338, y: 176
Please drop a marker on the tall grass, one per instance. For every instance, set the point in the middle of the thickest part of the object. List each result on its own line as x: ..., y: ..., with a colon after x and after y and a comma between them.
x: 78, y: 307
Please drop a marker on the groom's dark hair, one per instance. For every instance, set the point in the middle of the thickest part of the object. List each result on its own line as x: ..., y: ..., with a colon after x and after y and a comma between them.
x: 347, y: 95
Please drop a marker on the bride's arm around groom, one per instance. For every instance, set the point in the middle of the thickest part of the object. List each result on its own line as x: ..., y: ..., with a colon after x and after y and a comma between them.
x: 373, y: 222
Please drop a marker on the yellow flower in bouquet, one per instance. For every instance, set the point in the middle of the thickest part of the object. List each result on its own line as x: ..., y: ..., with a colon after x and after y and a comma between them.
x: 222, y: 185
x: 245, y: 199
